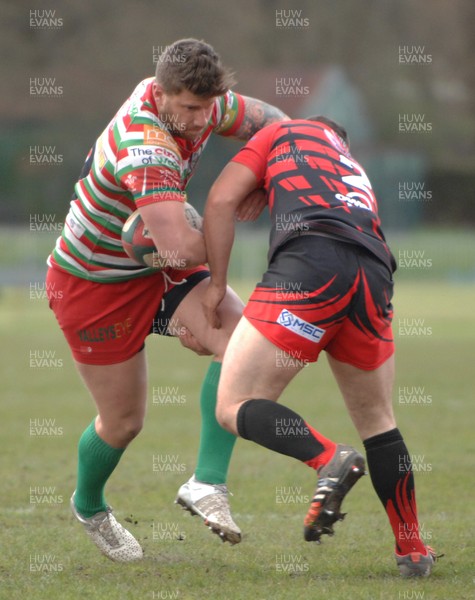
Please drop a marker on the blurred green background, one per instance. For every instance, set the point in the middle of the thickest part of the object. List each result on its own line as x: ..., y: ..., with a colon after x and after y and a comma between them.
x: 397, y: 73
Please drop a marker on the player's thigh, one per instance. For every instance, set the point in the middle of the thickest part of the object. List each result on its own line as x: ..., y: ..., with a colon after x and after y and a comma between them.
x: 119, y: 392
x: 367, y: 395
x: 365, y: 338
x: 190, y: 314
x: 252, y: 368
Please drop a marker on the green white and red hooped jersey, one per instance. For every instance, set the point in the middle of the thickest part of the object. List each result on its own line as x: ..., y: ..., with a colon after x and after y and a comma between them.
x: 136, y: 161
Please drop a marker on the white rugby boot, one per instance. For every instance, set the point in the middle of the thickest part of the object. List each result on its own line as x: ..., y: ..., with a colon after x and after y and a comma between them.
x: 113, y: 540
x: 210, y: 502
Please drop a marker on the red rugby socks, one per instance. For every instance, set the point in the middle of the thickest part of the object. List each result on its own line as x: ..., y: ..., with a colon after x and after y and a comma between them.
x: 390, y: 468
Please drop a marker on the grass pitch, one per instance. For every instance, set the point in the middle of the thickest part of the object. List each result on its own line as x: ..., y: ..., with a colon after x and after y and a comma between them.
x: 45, y: 554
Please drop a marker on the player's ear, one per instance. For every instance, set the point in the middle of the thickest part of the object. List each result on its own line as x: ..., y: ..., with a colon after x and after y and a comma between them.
x: 158, y: 92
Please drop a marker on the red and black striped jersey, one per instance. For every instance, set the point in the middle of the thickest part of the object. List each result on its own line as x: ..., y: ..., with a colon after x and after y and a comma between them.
x: 314, y: 184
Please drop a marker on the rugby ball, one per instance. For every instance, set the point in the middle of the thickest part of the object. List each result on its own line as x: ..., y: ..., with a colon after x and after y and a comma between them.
x: 138, y: 243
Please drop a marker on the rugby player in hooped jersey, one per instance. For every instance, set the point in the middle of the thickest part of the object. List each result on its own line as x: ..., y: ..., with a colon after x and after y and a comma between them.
x: 109, y: 303
x: 328, y: 287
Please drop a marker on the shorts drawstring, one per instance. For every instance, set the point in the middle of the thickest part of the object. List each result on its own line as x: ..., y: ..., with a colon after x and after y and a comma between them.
x: 166, y: 280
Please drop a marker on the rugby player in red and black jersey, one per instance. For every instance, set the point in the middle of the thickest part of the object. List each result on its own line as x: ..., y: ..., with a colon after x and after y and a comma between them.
x: 106, y: 303
x: 328, y: 286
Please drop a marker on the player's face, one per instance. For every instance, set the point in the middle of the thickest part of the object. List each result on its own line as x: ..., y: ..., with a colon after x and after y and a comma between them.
x: 184, y: 114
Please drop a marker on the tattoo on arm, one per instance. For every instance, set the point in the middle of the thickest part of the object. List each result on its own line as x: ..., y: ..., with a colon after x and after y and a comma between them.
x: 257, y: 114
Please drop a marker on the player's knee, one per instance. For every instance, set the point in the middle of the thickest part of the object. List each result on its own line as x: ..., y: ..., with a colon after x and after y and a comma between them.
x: 133, y: 427
x: 233, y: 313
x: 221, y: 414
x: 226, y: 417
x: 230, y: 313
x: 125, y: 429
x: 231, y: 316
x: 219, y: 348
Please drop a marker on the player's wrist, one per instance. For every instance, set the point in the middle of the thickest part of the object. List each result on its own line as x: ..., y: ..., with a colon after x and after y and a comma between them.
x: 218, y: 284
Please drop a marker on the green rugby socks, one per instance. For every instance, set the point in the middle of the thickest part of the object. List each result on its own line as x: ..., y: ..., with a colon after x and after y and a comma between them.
x: 216, y: 444
x: 97, y: 461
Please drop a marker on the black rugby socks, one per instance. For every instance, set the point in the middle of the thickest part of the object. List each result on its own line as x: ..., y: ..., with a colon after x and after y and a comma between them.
x: 282, y: 430
x: 390, y: 468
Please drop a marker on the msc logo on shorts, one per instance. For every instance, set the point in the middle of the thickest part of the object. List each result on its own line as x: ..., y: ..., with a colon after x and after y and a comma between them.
x: 299, y: 326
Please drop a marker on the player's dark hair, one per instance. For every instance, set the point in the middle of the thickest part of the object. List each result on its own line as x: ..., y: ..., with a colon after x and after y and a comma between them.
x: 192, y: 65
x: 337, y: 128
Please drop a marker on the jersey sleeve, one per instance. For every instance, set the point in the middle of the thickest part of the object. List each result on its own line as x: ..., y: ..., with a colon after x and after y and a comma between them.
x: 229, y: 113
x: 255, y: 153
x: 151, y: 171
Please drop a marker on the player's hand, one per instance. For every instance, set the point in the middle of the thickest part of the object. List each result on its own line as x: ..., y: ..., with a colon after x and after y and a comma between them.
x: 252, y: 205
x: 189, y: 341
x: 211, y: 300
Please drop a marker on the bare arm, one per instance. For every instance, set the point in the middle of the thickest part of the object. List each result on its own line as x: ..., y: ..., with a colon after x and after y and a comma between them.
x: 257, y: 114
x: 252, y: 206
x: 178, y: 245
x: 235, y: 183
